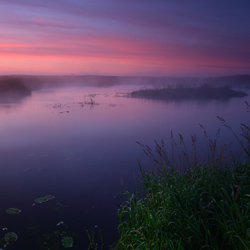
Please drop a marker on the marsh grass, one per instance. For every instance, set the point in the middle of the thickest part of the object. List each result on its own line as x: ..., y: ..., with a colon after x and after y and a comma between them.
x: 93, y: 244
x: 187, y: 202
x: 182, y: 92
x: 204, y: 208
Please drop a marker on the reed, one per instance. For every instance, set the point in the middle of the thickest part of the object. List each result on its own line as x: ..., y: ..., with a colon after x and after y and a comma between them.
x: 187, y: 203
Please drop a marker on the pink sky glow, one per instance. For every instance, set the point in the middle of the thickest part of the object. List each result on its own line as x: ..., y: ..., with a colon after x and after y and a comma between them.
x: 124, y: 38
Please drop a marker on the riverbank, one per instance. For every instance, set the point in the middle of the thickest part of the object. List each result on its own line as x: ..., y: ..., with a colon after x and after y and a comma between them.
x: 202, y: 208
x: 189, y: 204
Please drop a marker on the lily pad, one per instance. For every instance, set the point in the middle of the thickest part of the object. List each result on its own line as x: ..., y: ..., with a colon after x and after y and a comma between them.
x: 10, y: 237
x: 67, y: 242
x: 13, y: 210
x: 49, y: 197
x: 44, y: 198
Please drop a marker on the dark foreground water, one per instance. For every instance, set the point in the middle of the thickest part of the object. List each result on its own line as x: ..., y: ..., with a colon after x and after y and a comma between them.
x: 82, y: 151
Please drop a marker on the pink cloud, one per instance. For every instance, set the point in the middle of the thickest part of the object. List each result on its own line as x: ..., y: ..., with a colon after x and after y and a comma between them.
x: 124, y: 38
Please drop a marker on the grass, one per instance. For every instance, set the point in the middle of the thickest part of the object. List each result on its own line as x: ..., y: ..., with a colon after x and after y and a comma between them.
x: 180, y: 92
x: 93, y: 245
x: 200, y: 205
x: 204, y: 208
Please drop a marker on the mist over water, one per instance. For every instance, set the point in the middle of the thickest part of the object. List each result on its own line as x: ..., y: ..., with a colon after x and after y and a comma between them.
x: 78, y: 143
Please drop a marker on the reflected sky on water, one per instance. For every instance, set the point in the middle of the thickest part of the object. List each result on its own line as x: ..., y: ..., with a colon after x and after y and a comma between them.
x: 79, y: 144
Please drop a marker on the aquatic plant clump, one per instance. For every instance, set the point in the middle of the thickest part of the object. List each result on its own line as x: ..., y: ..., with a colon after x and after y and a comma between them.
x: 10, y: 237
x: 13, y: 210
x: 44, y: 198
x: 67, y: 242
x: 178, y: 93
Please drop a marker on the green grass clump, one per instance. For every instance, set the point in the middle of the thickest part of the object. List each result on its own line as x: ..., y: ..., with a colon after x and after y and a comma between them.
x: 204, y: 208
x: 188, y: 203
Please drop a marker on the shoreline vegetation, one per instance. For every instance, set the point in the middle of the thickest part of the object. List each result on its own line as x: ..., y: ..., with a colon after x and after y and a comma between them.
x: 186, y: 203
x: 13, y: 89
x: 13, y: 84
x: 36, y: 82
x: 178, y: 93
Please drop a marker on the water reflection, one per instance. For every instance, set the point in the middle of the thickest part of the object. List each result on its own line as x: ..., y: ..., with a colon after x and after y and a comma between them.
x: 85, y: 156
x: 13, y: 98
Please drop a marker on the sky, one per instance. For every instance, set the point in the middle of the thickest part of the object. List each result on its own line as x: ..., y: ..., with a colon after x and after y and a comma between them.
x: 125, y: 37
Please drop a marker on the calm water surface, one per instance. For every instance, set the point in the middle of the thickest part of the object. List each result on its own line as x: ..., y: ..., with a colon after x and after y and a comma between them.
x: 56, y: 142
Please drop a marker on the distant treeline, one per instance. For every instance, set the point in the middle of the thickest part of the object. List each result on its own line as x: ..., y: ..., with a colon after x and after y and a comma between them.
x: 12, y: 84
x: 181, y: 92
x: 13, y: 89
x: 36, y: 82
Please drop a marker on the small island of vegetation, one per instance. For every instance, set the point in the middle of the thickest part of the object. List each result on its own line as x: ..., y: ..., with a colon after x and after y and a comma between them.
x: 178, y: 93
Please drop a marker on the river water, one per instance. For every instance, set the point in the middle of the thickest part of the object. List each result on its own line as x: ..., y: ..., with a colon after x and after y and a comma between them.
x: 79, y: 145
